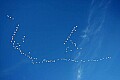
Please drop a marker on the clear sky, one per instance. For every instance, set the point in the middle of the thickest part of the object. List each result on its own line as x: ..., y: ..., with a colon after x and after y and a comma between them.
x: 46, y: 24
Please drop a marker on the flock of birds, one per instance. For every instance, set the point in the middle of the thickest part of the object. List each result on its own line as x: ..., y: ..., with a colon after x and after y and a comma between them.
x: 34, y: 60
x: 68, y: 39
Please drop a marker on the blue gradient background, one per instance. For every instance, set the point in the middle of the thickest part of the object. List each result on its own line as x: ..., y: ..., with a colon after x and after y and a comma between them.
x: 46, y: 24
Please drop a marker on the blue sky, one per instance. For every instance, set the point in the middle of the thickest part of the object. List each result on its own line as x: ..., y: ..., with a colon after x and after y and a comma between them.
x: 46, y: 25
